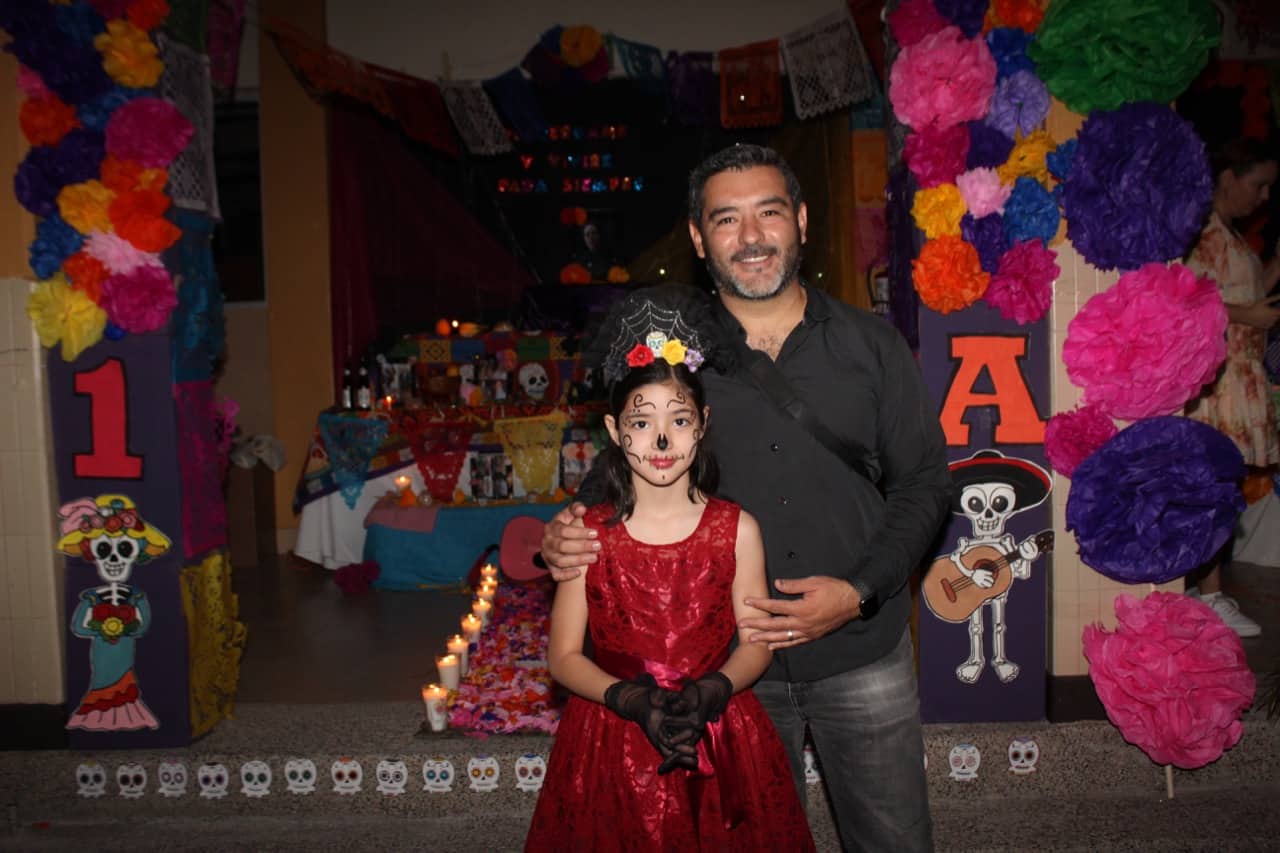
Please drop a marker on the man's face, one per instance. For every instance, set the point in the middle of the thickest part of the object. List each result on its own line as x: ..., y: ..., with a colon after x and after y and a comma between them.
x: 750, y: 236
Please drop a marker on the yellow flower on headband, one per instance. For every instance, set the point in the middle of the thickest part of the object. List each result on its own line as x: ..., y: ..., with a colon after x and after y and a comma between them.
x: 673, y: 352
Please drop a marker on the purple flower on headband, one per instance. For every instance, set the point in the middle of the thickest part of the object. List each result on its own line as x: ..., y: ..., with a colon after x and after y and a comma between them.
x: 693, y: 360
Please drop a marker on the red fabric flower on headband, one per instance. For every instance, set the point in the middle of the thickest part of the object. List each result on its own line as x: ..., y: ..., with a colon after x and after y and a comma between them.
x: 640, y: 356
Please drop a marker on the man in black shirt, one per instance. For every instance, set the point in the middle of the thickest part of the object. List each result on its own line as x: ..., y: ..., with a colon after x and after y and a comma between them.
x: 848, y: 508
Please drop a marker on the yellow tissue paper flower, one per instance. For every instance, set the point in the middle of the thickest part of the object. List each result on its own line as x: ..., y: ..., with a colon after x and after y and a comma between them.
x: 937, y: 211
x: 673, y: 352
x: 129, y: 55
x: 61, y: 313
x: 1028, y: 158
x: 85, y: 206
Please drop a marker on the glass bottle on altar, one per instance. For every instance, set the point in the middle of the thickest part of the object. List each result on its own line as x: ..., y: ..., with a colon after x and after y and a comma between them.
x: 364, y: 393
x: 347, y: 383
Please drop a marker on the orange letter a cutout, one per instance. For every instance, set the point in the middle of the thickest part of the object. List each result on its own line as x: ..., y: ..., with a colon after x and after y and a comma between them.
x: 1017, y: 421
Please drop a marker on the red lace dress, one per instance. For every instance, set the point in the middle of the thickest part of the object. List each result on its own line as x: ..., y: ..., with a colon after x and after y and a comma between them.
x: 668, y: 610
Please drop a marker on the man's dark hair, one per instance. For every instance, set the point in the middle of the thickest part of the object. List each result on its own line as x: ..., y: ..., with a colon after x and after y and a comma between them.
x: 738, y: 158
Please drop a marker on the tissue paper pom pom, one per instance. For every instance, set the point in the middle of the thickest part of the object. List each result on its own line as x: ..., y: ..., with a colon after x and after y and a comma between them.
x: 79, y: 21
x: 986, y: 235
x: 1026, y: 15
x: 1071, y: 437
x: 942, y: 80
x: 148, y: 14
x: 1059, y: 160
x: 1028, y: 158
x: 1008, y: 47
x: 1031, y: 213
x: 44, y: 121
x: 148, y: 130
x: 1099, y: 54
x: 1139, y: 187
x: 84, y: 206
x: 85, y: 273
x: 60, y: 313
x: 1157, y: 500
x: 138, y: 217
x: 124, y: 175
x: 140, y: 301
x: 988, y: 147
x: 1022, y: 288
x: 110, y: 8
x: 1019, y: 105
x: 31, y: 85
x: 983, y: 191
x: 936, y: 156
x: 55, y: 242
x: 47, y: 169
x: 128, y: 55
x: 95, y: 113
x: 913, y: 20
x: 937, y: 210
x: 965, y: 14
x: 947, y: 275
x: 119, y: 255
x: 1173, y: 677
x: 1147, y: 345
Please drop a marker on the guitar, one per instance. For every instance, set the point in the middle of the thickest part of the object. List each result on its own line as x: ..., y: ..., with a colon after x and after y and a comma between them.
x: 953, y: 596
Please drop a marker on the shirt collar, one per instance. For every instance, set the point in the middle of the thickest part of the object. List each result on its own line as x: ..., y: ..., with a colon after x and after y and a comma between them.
x: 817, y: 308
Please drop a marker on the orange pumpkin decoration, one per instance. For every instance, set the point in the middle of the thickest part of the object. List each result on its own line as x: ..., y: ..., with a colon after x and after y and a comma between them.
x: 575, y: 274
x: 443, y: 328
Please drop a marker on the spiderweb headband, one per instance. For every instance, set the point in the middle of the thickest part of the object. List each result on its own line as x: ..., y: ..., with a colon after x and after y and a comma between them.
x: 669, y: 322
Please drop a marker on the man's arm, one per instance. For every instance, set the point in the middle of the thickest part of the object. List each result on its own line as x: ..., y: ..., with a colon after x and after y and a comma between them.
x: 569, y: 546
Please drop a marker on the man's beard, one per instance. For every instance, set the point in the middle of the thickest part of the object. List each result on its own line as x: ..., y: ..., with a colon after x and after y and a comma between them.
x: 725, y: 280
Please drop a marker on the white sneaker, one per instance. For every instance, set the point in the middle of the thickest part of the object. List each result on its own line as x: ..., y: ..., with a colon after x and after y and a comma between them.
x: 1229, y: 611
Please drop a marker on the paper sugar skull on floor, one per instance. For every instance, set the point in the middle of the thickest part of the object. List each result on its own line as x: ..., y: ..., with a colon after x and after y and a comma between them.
x: 531, y: 769
x: 91, y: 779
x: 811, y: 774
x: 437, y: 775
x: 213, y: 779
x: 392, y: 777
x: 347, y: 774
x: 300, y: 775
x: 172, y: 777
x: 255, y: 779
x: 483, y: 771
x: 109, y: 532
x: 132, y: 779
x: 964, y: 761
x: 1023, y: 755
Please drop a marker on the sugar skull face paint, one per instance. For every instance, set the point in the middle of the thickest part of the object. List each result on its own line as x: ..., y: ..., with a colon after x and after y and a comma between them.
x: 659, y: 430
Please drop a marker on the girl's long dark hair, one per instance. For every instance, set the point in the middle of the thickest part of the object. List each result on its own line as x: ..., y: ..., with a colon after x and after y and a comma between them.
x: 704, y: 475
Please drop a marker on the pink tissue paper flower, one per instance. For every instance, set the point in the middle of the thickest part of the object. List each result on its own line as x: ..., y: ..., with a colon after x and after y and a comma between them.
x: 941, y: 80
x: 936, y: 156
x: 1022, y: 288
x: 149, y: 131
x: 913, y: 20
x: 1072, y: 437
x: 1173, y: 678
x: 1148, y: 344
x: 983, y: 191
x: 140, y: 301
x: 117, y: 254
x: 30, y: 84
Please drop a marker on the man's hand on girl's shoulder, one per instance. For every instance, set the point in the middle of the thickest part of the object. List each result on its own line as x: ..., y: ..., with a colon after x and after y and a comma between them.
x: 568, y: 545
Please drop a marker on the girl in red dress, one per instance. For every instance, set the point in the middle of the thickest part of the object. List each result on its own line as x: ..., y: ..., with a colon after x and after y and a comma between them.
x: 663, y: 746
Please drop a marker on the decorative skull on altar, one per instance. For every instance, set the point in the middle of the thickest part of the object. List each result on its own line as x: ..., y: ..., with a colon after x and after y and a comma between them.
x: 213, y: 780
x: 172, y: 776
x: 132, y: 779
x: 255, y: 778
x: 437, y: 775
x: 1023, y: 755
x: 300, y: 775
x: 346, y: 774
x: 91, y: 779
x: 392, y: 776
x: 534, y: 380
x: 531, y: 769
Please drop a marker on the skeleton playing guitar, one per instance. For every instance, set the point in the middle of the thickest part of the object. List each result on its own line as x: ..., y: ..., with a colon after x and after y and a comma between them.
x: 953, y: 596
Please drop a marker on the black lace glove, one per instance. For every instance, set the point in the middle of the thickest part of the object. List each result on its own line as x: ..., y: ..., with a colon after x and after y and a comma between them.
x: 705, y: 699
x: 649, y: 706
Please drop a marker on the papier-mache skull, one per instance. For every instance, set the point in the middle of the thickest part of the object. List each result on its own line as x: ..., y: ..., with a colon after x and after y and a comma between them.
x: 811, y: 774
x: 988, y: 506
x: 534, y: 380
x: 91, y: 779
x: 392, y: 776
x: 1023, y: 755
x: 346, y: 774
x: 437, y: 775
x: 213, y: 779
x: 964, y: 760
x: 483, y: 770
x: 132, y: 779
x: 255, y: 778
x: 300, y: 775
x: 531, y: 770
x: 172, y: 777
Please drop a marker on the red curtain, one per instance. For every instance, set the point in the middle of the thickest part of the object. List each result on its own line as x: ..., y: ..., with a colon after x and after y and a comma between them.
x: 403, y: 251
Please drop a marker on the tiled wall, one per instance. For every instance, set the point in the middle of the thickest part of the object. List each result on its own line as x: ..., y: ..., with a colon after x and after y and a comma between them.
x: 31, y: 574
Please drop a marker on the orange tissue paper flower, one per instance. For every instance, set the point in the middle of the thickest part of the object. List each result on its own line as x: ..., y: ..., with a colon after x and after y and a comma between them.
x: 948, y: 275
x: 44, y: 121
x: 148, y: 14
x: 1028, y: 158
x: 937, y: 211
x: 579, y: 45
x: 1024, y: 14
x: 129, y: 56
x: 86, y: 274
x: 125, y: 175
x: 138, y: 216
x: 84, y: 206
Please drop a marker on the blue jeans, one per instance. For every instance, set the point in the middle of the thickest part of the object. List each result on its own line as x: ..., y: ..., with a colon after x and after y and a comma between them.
x: 865, y: 726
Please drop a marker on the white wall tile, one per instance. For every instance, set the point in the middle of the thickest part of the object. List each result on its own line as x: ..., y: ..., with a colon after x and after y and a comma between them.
x: 17, y: 580
x: 8, y: 688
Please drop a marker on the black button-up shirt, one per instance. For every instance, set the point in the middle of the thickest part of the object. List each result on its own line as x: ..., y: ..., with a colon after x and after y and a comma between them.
x: 855, y: 373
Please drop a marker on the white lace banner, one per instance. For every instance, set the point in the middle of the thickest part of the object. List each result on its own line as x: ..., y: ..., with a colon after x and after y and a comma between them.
x: 186, y: 82
x: 478, y: 124
x: 827, y: 65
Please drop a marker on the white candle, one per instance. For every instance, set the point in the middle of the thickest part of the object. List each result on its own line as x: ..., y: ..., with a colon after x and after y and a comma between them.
x: 458, y: 646
x: 471, y: 626
x: 402, y: 482
x: 486, y: 591
x: 448, y: 667
x: 435, y: 698
x: 488, y: 570
x: 483, y: 608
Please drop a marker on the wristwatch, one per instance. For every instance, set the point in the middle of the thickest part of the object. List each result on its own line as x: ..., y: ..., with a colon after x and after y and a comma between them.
x: 870, y: 601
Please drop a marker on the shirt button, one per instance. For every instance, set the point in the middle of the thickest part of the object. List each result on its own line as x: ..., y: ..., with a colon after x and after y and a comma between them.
x: 774, y: 447
x: 783, y: 501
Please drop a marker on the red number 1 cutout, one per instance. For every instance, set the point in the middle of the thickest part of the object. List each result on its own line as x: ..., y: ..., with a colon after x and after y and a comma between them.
x: 109, y: 412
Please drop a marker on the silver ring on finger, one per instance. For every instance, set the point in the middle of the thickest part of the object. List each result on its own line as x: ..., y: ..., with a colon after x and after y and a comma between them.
x: 791, y: 635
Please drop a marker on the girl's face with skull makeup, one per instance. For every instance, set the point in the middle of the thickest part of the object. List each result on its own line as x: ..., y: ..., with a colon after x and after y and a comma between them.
x: 659, y: 429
